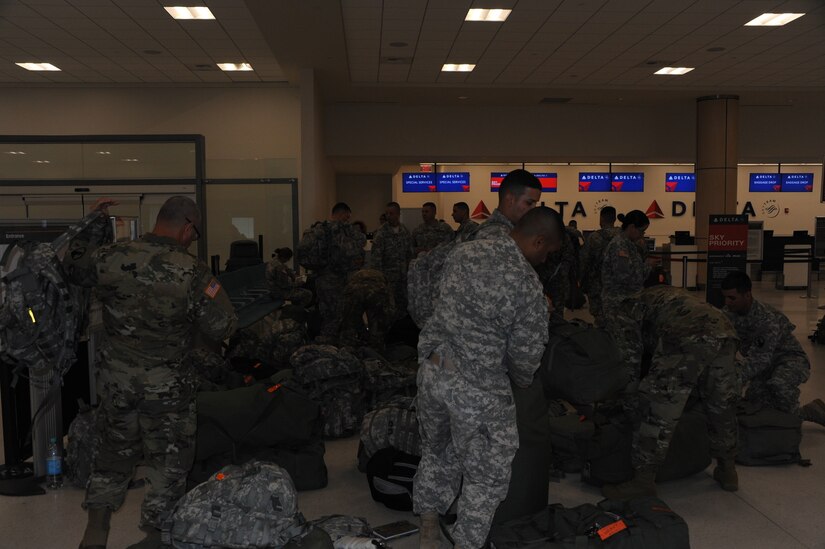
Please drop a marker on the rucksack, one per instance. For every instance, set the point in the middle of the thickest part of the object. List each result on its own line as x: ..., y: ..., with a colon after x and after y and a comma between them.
x: 334, y: 378
x: 385, y: 380
x: 569, y: 435
x: 312, y: 252
x: 423, y: 276
x: 246, y: 506
x: 768, y: 436
x: 337, y: 246
x: 83, y: 444
x: 581, y: 364
x: 394, y: 424
x: 643, y: 523
x: 258, y: 416
x: 390, y: 474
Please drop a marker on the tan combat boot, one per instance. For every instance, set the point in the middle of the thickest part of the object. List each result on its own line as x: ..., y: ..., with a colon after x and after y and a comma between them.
x: 643, y: 484
x: 430, y: 535
x: 97, y: 528
x: 814, y: 411
x: 725, y: 474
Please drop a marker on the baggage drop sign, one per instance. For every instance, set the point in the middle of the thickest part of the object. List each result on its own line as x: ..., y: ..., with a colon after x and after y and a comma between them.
x: 727, y: 252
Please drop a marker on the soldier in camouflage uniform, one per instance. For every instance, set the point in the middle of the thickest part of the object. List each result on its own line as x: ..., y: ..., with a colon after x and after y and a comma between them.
x: 466, y: 226
x: 431, y: 232
x: 693, y: 346
x: 773, y: 363
x: 519, y: 192
x: 155, y: 297
x: 555, y: 275
x: 281, y: 280
x: 478, y: 335
x: 392, y: 250
x: 623, y: 269
x: 344, y: 244
x: 366, y: 293
x: 590, y: 261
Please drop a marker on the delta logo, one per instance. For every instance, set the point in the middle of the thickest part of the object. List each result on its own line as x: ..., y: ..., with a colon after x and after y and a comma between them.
x: 480, y: 212
x: 654, y: 211
x: 616, y: 186
x: 431, y: 188
x: 584, y: 186
x: 670, y: 186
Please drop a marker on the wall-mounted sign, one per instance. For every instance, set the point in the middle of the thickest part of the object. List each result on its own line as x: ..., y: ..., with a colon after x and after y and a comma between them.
x: 418, y: 182
x: 594, y: 182
x: 453, y: 182
x: 764, y: 183
x: 628, y: 182
x: 797, y: 182
x: 549, y: 181
x: 680, y: 182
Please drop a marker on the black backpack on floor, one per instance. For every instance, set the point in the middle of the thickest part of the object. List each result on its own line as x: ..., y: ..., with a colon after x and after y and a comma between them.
x: 644, y: 523
x: 581, y: 364
x: 390, y: 474
x: 768, y: 436
x: 569, y: 435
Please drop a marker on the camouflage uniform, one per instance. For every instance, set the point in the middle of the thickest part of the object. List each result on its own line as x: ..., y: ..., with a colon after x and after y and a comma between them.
x: 496, y: 226
x: 692, y: 346
x: 466, y: 231
x: 555, y: 275
x: 330, y: 281
x: 366, y: 293
x: 391, y: 254
x: 478, y: 335
x: 155, y: 296
x: 774, y: 363
x: 623, y: 274
x: 428, y: 237
x: 590, y: 269
x: 283, y: 286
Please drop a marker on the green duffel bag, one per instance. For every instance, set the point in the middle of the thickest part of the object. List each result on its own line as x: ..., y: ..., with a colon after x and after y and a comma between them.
x: 768, y: 436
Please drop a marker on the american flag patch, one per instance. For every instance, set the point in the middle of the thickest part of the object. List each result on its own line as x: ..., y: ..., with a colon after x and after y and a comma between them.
x: 212, y: 289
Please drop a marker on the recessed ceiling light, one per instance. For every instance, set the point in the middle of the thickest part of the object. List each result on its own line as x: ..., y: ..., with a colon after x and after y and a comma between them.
x: 773, y: 19
x: 235, y: 66
x: 674, y: 71
x: 129, y: 159
x: 38, y: 66
x: 42, y: 161
x: 495, y: 15
x: 195, y: 12
x: 15, y: 152
x: 452, y: 67
x: 462, y: 97
x: 103, y: 152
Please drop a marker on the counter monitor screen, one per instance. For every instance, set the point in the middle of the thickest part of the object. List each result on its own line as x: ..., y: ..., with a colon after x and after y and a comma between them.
x: 628, y: 182
x: 797, y: 182
x: 418, y: 182
x: 453, y: 182
x: 594, y: 182
x: 764, y: 183
x: 495, y: 180
x: 549, y: 182
x: 680, y: 182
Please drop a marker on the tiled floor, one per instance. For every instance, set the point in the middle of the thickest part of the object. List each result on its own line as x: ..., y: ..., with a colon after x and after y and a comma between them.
x: 775, y: 508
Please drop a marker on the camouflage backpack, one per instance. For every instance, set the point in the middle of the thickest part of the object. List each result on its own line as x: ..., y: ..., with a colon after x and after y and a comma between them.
x: 339, y: 526
x: 312, y: 251
x: 385, y: 380
x: 248, y: 506
x: 84, y: 442
x: 346, y: 247
x: 392, y: 425
x: 334, y: 378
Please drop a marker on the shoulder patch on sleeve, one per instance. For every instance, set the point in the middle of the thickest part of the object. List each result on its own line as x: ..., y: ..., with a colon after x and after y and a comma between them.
x: 212, y: 288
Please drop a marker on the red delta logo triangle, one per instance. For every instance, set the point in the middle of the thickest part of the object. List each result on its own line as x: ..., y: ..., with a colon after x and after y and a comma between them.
x: 481, y: 211
x: 654, y: 211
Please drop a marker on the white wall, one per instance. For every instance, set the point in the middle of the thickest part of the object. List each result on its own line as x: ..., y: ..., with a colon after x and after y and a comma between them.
x: 802, y: 207
x: 250, y: 132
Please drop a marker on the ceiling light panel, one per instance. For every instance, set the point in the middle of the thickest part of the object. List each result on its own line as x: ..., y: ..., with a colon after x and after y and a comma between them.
x: 674, y: 71
x: 232, y: 67
x: 463, y: 67
x: 38, y: 66
x: 773, y: 19
x: 490, y: 16
x: 194, y: 12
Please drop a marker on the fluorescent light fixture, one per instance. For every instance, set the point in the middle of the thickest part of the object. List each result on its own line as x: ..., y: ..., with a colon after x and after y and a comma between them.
x: 42, y: 161
x: 773, y: 19
x: 451, y: 67
x: 38, y: 66
x: 15, y: 152
x: 129, y: 159
x: 674, y: 71
x: 103, y: 152
x: 194, y: 12
x: 494, y: 16
x: 235, y: 67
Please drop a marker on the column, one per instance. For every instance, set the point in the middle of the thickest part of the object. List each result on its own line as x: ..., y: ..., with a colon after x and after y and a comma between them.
x: 717, y: 156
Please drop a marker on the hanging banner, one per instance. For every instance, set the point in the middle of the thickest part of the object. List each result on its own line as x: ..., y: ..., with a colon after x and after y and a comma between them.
x: 727, y: 252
